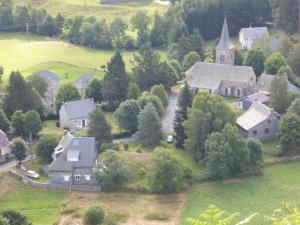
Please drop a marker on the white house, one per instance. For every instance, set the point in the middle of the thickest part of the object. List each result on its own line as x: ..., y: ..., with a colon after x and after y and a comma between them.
x: 248, y: 37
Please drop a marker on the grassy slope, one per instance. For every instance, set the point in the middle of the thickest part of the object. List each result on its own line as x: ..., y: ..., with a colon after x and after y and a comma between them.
x: 107, y: 12
x: 256, y: 194
x: 47, y: 53
x: 39, y: 205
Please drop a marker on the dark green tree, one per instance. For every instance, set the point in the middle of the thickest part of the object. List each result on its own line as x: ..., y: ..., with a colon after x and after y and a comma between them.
x: 150, y: 132
x: 294, y: 58
x: 38, y: 83
x: 238, y: 58
x: 179, y: 128
x: 160, y: 92
x: 115, y: 82
x: 287, y: 17
x: 185, y: 99
x: 32, y: 123
x: 17, y: 122
x: 117, y: 30
x: 167, y: 173
x: 99, y: 127
x: 256, y: 153
x: 289, y: 133
x: 190, y: 59
x: 113, y: 170
x: 94, y: 90
x: 19, y: 148
x: 66, y: 92
x: 15, y: 218
x: 256, y: 59
x: 134, y: 91
x: 4, y: 122
x: 127, y: 115
x: 295, y: 107
x: 154, y: 100
x: 140, y: 22
x: 94, y: 215
x: 45, y: 147
x: 279, y: 96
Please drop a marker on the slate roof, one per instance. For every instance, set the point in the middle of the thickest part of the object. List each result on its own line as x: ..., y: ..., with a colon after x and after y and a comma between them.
x: 209, y: 75
x: 79, y: 109
x: 49, y: 76
x: 264, y: 82
x: 254, y: 33
x: 225, y: 42
x: 84, y: 147
x: 83, y: 81
x: 262, y: 97
x: 256, y: 114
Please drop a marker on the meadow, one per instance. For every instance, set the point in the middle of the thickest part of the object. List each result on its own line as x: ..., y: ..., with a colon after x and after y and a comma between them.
x: 94, y: 8
x: 261, y: 194
x: 69, y: 61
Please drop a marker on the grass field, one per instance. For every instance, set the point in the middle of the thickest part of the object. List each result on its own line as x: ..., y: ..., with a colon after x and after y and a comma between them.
x: 58, y: 56
x: 94, y: 8
x: 39, y: 205
x: 262, y: 194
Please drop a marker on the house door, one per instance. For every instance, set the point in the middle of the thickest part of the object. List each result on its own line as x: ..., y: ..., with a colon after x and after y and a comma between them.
x: 83, y: 123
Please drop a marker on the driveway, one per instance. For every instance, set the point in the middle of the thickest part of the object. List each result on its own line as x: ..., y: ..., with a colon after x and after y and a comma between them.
x: 167, y: 121
x: 9, y: 165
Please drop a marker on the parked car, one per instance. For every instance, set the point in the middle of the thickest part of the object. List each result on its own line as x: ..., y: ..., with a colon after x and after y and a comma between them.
x: 32, y: 174
x: 170, y: 139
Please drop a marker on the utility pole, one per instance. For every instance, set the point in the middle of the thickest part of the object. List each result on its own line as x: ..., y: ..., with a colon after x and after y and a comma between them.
x: 27, y: 31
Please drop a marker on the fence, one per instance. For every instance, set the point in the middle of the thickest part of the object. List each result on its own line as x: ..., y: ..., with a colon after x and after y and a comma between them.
x: 28, y: 181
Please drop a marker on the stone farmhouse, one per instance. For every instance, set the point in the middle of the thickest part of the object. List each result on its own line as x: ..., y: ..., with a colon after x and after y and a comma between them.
x: 74, y: 115
x: 222, y: 77
x: 74, y: 161
x: 248, y: 37
x: 259, y: 122
x: 246, y: 102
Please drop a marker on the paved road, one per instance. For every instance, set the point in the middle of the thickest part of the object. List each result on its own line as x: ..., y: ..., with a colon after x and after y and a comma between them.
x: 9, y: 165
x: 167, y: 121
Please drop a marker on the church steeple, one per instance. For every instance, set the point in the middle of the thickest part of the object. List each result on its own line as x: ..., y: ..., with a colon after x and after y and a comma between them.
x: 225, y: 48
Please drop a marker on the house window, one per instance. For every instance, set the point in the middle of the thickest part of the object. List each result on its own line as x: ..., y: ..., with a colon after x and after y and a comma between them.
x: 66, y: 178
x: 87, y: 177
x: 226, y: 91
x: 269, y: 121
x: 83, y: 123
x: 238, y: 92
x: 77, y: 177
x: 267, y: 131
x: 222, y: 58
x: 255, y: 132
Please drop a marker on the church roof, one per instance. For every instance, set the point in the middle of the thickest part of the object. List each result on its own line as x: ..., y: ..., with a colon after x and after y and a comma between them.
x: 225, y: 42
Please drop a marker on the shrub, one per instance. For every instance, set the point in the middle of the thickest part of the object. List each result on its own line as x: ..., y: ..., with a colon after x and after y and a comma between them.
x: 94, y: 216
x: 126, y: 146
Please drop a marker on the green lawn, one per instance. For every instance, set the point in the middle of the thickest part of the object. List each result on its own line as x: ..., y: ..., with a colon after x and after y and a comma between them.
x: 260, y: 194
x: 94, y: 8
x: 37, y: 166
x: 58, y: 56
x: 41, y: 206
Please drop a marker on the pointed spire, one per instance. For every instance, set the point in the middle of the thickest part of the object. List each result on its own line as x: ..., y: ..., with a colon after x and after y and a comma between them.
x: 225, y: 42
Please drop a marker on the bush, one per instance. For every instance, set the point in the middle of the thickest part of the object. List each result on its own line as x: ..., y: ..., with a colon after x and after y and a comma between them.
x: 126, y: 146
x: 94, y: 216
x: 51, y: 115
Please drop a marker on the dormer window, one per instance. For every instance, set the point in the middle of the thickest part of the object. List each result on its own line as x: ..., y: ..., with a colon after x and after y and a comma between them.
x: 73, y: 156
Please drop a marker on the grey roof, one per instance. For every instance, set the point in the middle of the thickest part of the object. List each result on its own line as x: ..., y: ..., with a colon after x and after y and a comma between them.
x: 79, y: 109
x: 261, y: 96
x: 254, y: 33
x: 264, y: 82
x: 225, y: 42
x: 209, y: 75
x: 49, y: 76
x: 256, y: 114
x: 82, y: 147
x: 83, y: 81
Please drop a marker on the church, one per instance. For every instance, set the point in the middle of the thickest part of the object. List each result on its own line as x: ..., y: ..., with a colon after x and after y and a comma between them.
x: 222, y: 77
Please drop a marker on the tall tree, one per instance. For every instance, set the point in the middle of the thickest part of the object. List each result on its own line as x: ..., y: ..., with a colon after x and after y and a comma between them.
x: 17, y: 122
x: 279, y: 96
x: 150, y: 132
x: 20, y: 95
x: 287, y: 17
x: 118, y: 29
x: 289, y: 133
x: 190, y: 59
x: 127, y: 115
x: 185, y: 99
x: 160, y: 92
x: 238, y: 58
x: 294, y: 59
x: 94, y: 90
x: 167, y: 173
x: 274, y: 62
x: 140, y: 22
x: 295, y: 107
x: 32, y: 123
x: 45, y: 147
x: 154, y: 100
x: 99, y: 127
x: 209, y: 113
x: 4, y: 122
x: 179, y: 128
x: 38, y: 83
x: 256, y: 59
x: 134, y: 91
x: 19, y: 148
x: 65, y: 93
x: 115, y: 82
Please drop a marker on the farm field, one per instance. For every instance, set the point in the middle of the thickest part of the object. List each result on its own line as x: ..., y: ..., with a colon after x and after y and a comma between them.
x: 58, y: 56
x: 260, y: 194
x: 94, y: 8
